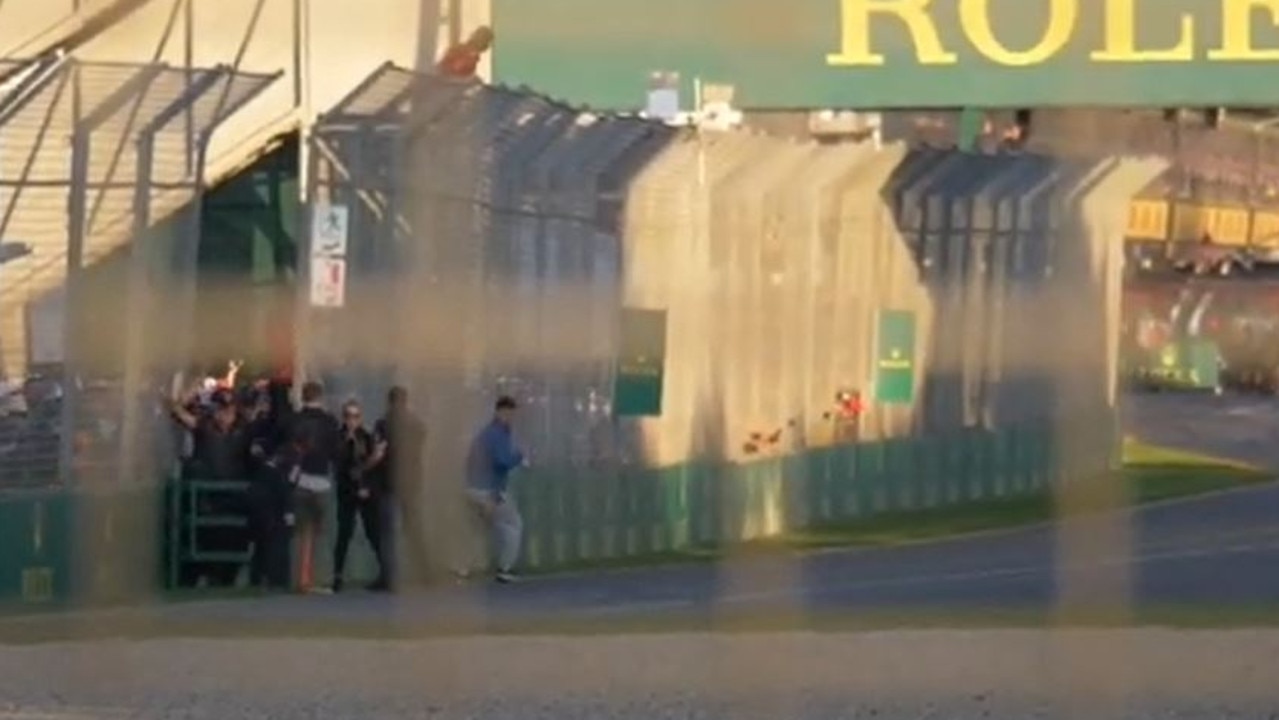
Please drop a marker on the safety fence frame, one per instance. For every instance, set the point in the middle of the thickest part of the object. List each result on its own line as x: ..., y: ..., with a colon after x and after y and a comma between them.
x: 970, y: 240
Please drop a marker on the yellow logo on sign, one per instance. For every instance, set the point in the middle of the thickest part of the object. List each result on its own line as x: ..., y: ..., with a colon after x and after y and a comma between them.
x: 37, y: 584
x: 862, y: 18
x: 895, y: 361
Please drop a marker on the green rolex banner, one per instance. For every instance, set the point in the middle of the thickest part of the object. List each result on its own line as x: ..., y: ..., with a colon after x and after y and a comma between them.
x: 641, y: 364
x: 895, y: 363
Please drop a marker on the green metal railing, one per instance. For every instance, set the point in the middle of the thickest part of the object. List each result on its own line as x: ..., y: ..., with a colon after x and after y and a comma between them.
x: 186, y: 519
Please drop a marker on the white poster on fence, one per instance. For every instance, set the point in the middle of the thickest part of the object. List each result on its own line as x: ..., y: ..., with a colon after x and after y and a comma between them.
x: 328, y: 282
x: 330, y: 230
x: 46, y: 323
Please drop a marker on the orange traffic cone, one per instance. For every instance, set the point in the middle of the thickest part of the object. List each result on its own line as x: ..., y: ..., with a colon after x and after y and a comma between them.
x: 306, y: 560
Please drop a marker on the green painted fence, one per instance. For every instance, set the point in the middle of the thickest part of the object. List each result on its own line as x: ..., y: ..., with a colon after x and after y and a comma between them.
x: 584, y: 516
x: 59, y: 548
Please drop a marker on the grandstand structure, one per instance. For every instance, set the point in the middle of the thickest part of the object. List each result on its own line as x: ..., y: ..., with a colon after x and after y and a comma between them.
x: 314, y: 53
x: 140, y: 135
x: 1216, y: 208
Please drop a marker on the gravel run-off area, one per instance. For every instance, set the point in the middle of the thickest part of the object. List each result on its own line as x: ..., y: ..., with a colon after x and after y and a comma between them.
x: 1098, y: 674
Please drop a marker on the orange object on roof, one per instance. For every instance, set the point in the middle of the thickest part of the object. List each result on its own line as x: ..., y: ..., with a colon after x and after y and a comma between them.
x: 460, y: 61
x: 463, y: 59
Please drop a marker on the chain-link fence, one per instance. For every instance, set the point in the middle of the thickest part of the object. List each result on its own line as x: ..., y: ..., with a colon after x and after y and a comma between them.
x: 100, y: 168
x: 947, y: 321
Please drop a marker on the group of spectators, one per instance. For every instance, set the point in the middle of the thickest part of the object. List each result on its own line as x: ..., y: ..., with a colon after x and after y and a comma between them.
x: 29, y: 416
x: 31, y: 432
x: 298, y: 460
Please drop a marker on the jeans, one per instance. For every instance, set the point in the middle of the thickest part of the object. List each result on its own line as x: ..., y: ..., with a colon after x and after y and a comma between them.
x: 369, y: 513
x: 270, y: 564
x: 505, y: 524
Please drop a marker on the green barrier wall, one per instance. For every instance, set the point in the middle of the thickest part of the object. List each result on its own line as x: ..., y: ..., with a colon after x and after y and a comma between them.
x: 59, y: 548
x: 578, y: 517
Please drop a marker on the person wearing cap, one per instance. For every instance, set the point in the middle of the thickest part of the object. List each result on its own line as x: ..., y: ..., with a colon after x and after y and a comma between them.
x: 493, y: 456
x: 220, y: 452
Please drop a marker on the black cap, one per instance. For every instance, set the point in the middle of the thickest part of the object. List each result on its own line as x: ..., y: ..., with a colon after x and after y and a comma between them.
x: 505, y: 402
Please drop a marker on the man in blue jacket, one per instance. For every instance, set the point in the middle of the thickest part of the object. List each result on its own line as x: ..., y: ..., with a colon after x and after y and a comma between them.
x: 492, y: 458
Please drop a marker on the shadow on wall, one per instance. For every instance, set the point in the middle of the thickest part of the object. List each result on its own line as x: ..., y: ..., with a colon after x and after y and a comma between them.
x: 978, y: 232
x: 781, y: 281
x: 1018, y: 255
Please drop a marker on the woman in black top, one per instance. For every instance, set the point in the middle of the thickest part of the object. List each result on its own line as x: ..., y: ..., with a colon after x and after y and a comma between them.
x: 356, y: 494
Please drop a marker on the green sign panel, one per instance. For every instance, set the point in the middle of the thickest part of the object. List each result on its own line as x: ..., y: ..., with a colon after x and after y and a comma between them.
x: 896, y: 53
x: 895, y: 361
x: 640, y: 364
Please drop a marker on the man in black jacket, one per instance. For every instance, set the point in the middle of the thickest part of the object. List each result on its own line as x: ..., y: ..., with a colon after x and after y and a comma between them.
x: 317, y: 433
x: 220, y: 453
x: 273, y: 481
x: 273, y: 474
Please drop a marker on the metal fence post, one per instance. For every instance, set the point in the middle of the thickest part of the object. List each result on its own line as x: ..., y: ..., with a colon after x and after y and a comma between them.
x: 135, y: 303
x: 302, y: 277
x: 81, y: 146
x: 77, y: 236
x: 140, y: 273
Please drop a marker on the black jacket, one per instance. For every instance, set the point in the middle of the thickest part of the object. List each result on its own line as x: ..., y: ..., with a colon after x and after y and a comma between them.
x: 318, y: 434
x: 354, y: 452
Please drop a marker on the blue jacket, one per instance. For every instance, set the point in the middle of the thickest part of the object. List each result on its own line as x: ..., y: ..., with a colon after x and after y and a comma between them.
x: 492, y: 457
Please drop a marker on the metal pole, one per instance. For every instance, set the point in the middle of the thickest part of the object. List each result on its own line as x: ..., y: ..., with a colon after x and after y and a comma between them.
x: 187, y: 260
x: 139, y: 273
x: 1258, y: 132
x: 137, y: 311
x: 302, y: 274
x: 76, y: 203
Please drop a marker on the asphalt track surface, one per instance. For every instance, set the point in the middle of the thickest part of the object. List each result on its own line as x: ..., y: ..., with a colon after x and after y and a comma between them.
x: 1220, y: 550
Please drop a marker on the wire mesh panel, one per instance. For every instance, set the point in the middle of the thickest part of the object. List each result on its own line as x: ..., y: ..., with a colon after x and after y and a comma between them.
x: 668, y: 264
x: 869, y: 301
x: 809, y: 209
x: 579, y: 285
x: 874, y: 268
x: 95, y: 155
x: 503, y: 238
x: 37, y: 170
x: 755, y: 407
